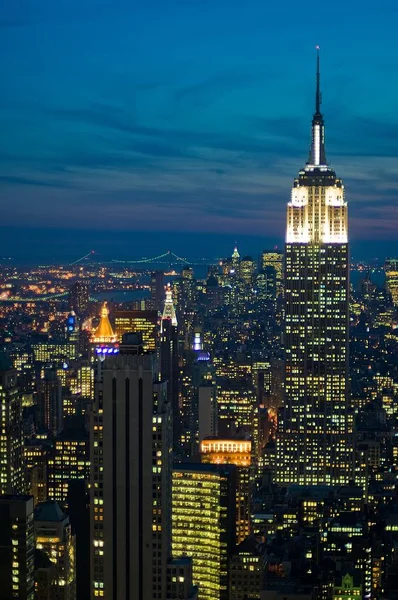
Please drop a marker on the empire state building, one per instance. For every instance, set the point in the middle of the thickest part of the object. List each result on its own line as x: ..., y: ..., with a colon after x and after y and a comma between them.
x: 313, y: 441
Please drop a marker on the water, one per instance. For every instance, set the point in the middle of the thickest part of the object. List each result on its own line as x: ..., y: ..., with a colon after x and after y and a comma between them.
x: 119, y: 296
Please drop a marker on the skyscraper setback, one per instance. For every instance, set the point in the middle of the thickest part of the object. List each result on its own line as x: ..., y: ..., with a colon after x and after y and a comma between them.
x: 313, y: 443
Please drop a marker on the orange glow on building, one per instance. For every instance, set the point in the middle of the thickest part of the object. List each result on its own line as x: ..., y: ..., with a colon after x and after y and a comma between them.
x: 235, y: 452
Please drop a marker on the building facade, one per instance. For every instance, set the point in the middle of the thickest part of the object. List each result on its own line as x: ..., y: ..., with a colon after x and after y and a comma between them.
x: 313, y: 442
x: 169, y: 371
x: 11, y: 431
x: 53, y: 535
x: 131, y: 446
x: 203, y: 523
x: 17, y: 548
x: 138, y: 321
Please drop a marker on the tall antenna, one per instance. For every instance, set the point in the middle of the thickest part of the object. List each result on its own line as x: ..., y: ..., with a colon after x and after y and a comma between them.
x: 318, y: 97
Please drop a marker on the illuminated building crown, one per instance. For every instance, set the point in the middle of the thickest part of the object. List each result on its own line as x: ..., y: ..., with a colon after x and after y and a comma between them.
x: 104, y: 333
x: 169, y: 310
x: 317, y: 211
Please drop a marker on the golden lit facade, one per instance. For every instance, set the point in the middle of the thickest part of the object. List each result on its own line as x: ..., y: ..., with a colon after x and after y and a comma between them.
x: 48, y: 351
x: 202, y: 520
x: 238, y: 453
x: 138, y: 321
x: 85, y: 379
x: 104, y: 333
x: 313, y: 442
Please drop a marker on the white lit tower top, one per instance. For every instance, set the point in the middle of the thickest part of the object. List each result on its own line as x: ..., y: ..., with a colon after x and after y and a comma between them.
x: 169, y: 312
x: 317, y: 212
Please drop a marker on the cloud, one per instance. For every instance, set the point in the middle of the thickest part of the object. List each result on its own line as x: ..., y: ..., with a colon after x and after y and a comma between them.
x: 18, y: 180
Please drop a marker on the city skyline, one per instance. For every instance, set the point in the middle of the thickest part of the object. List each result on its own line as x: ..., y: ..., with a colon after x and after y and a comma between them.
x: 124, y: 134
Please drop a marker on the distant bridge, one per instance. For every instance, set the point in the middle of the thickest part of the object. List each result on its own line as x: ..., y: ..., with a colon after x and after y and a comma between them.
x: 167, y: 258
x: 154, y: 259
x: 37, y: 298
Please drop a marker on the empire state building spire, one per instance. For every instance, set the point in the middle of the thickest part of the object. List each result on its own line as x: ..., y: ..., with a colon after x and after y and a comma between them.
x: 317, y: 156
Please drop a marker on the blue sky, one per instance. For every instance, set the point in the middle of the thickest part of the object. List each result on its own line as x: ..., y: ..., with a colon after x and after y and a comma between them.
x: 191, y: 116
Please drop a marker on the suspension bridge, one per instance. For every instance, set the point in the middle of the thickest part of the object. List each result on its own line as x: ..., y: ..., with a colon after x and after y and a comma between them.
x: 38, y: 298
x: 167, y: 258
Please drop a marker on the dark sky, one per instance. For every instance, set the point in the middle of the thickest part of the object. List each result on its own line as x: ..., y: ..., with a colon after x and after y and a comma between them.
x: 123, y: 121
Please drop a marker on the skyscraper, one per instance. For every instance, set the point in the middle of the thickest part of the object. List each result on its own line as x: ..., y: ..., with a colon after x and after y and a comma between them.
x: 157, y: 290
x: 49, y: 402
x: 391, y: 270
x: 11, y: 431
x: 138, y: 321
x: 204, y: 523
x: 54, y: 536
x: 79, y: 297
x: 68, y: 460
x: 313, y: 442
x: 130, y: 495
x: 17, y: 548
x: 169, y: 361
x: 272, y: 260
x: 236, y: 452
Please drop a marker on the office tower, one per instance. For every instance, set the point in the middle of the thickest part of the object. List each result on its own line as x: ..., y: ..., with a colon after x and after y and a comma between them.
x: 53, y: 535
x: 203, y: 523
x: 236, y: 452
x: 247, y: 570
x: 11, y: 438
x: 49, y: 403
x: 179, y: 580
x: 69, y: 460
x: 45, y: 575
x: 272, y: 260
x: 54, y: 351
x: 236, y: 403
x: 266, y: 284
x: 78, y: 510
x: 199, y: 399
x: 391, y: 271
x: 169, y: 361
x: 313, y: 442
x: 35, y: 458
x: 138, y: 321
x: 22, y: 359
x: 79, y: 297
x: 85, y: 380
x: 157, y: 290
x: 131, y: 445
x: 247, y: 269
x: 214, y: 292
x: 17, y: 548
